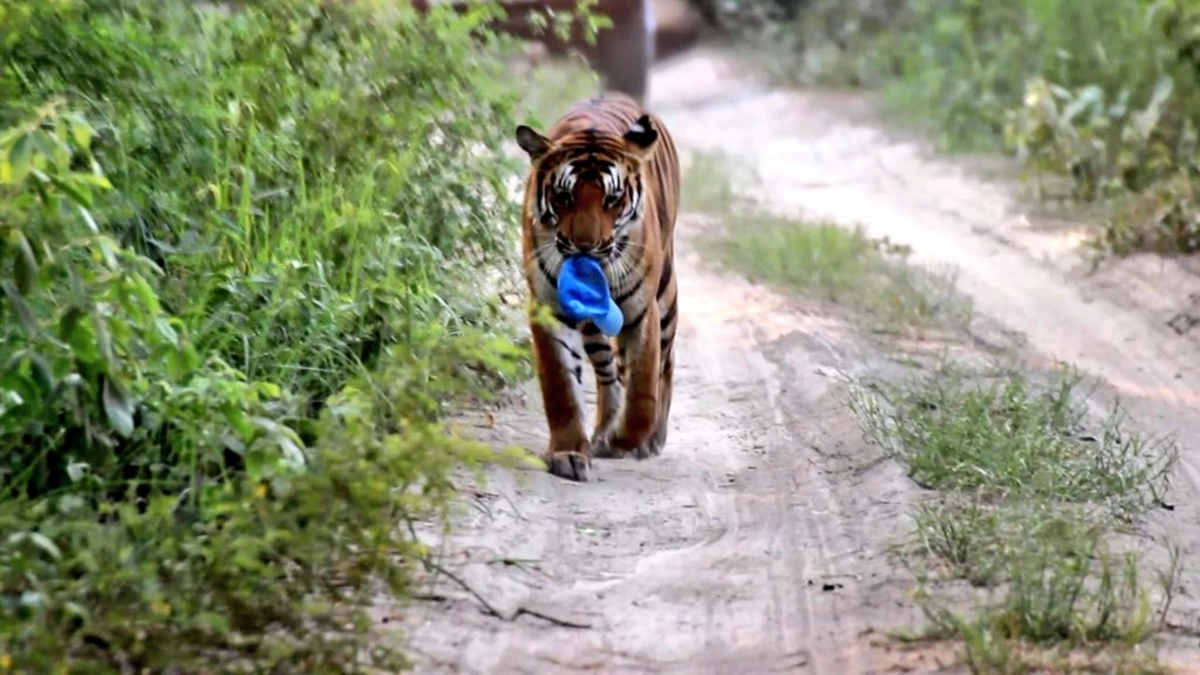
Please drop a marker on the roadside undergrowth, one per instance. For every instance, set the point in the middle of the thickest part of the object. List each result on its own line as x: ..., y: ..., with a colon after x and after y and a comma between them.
x: 1022, y: 549
x: 1101, y: 97
x: 1030, y: 500
x: 244, y: 267
x: 818, y: 260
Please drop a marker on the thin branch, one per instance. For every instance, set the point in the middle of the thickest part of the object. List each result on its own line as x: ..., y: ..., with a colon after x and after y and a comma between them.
x: 491, y: 610
x: 554, y: 620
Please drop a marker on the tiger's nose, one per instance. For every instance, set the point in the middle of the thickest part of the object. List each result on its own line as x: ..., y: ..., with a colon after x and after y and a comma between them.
x: 584, y: 246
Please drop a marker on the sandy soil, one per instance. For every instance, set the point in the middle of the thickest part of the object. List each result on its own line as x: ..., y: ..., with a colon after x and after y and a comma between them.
x: 758, y: 542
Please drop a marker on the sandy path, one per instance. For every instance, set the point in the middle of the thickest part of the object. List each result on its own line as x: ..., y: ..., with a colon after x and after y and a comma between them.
x: 1131, y: 325
x: 734, y: 550
x: 757, y: 542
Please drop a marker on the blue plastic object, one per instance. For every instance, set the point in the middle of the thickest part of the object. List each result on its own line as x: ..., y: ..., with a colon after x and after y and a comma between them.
x: 583, y: 294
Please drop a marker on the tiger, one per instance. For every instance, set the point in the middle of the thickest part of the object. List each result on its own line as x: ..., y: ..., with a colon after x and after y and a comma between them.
x: 604, y: 182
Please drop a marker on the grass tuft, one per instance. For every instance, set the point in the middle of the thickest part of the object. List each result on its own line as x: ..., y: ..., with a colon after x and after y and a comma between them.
x: 1000, y: 436
x: 1031, y: 488
x: 821, y: 260
x: 1030, y: 494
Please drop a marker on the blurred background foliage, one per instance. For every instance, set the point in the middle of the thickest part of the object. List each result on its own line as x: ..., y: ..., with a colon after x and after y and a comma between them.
x: 1101, y: 94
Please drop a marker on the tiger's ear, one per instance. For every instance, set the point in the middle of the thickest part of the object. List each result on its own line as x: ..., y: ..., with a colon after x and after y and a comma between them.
x: 641, y: 136
x: 534, y: 144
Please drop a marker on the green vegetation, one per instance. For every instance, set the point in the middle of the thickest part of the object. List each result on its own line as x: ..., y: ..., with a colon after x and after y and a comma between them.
x: 1030, y: 500
x: 1103, y: 94
x: 1030, y: 496
x: 240, y: 255
x: 822, y: 260
x: 999, y: 436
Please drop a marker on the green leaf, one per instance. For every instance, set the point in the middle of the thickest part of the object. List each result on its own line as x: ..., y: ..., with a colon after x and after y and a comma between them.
x: 21, y: 309
x: 25, y: 265
x: 81, y: 131
x: 19, y: 155
x: 74, y: 608
x: 51, y: 149
x: 76, y: 471
x: 39, y: 540
x: 165, y: 330
x: 87, y: 218
x: 145, y: 294
x: 95, y: 180
x: 68, y: 322
x: 78, y: 194
x: 239, y: 421
x: 103, y: 337
x: 183, y: 361
x: 211, y: 622
x: 108, y: 251
x: 117, y: 407
x: 293, y: 454
x: 71, y: 502
x: 43, y: 374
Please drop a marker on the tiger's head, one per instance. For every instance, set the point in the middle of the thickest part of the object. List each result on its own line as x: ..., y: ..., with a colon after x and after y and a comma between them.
x: 590, y: 192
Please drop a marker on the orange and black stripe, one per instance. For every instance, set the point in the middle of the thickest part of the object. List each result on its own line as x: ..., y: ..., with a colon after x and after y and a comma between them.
x: 597, y: 143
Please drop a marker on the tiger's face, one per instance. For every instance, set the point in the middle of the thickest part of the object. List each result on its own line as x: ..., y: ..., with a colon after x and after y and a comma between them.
x: 590, y: 193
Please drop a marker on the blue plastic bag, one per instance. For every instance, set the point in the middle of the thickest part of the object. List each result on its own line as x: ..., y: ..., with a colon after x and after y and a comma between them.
x: 583, y: 294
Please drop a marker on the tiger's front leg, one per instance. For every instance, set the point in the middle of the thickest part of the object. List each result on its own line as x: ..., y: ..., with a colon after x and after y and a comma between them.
x: 600, y: 352
x: 639, y: 355
x: 558, y: 357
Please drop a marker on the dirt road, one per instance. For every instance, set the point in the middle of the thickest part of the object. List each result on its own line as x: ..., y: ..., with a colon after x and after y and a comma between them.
x: 758, y: 542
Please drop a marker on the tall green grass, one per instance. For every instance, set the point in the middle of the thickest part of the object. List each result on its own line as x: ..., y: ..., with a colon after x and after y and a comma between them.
x: 240, y: 257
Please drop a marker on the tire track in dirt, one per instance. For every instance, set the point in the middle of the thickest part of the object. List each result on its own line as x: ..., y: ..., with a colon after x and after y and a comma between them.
x: 819, y: 155
x: 736, y: 551
x: 757, y: 542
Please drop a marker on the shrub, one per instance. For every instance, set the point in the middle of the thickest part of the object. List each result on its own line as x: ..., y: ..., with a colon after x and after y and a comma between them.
x: 240, y: 254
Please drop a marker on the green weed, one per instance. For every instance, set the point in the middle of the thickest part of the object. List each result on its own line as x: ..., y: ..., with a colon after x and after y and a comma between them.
x: 1031, y: 493
x: 240, y: 254
x: 999, y: 435
x: 837, y: 264
x: 1060, y: 599
x: 713, y: 183
x: 819, y: 259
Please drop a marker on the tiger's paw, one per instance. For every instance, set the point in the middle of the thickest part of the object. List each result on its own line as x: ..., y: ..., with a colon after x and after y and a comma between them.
x: 569, y: 464
x: 645, y: 451
x: 651, y: 448
x: 610, y: 446
x: 604, y: 448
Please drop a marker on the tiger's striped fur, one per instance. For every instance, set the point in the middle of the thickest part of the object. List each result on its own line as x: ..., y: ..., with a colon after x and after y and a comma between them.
x: 604, y: 182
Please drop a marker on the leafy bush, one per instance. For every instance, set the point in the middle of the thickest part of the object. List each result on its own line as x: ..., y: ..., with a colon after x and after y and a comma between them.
x: 240, y: 254
x: 1103, y: 93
